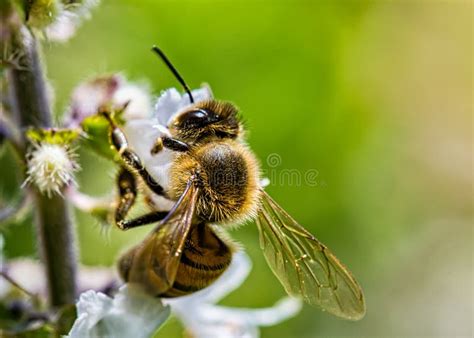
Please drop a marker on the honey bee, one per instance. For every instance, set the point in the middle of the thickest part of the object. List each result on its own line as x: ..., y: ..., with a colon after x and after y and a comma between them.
x: 214, y: 182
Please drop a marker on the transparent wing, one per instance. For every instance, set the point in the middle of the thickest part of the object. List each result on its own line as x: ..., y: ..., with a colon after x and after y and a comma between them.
x: 305, y: 266
x: 157, y: 259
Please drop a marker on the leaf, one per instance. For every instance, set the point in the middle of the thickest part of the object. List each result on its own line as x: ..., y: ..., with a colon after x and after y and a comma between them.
x: 53, y: 135
x: 96, y: 128
x: 66, y: 317
x: 40, y: 331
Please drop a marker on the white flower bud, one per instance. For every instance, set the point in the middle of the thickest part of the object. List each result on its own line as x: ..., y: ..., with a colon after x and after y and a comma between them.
x: 51, y: 167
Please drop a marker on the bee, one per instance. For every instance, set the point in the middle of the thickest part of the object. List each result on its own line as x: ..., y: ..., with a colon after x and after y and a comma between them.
x: 214, y: 183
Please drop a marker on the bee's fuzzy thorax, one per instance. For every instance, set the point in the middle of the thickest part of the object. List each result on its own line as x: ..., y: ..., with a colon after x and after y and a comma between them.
x: 228, y: 178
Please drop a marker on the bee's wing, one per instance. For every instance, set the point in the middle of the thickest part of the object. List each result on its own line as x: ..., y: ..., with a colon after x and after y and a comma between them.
x: 305, y: 266
x: 157, y: 258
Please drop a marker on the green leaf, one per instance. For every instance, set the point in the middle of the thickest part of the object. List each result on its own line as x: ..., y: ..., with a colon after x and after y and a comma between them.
x: 96, y: 128
x: 53, y: 135
x: 66, y: 317
x: 39, y: 331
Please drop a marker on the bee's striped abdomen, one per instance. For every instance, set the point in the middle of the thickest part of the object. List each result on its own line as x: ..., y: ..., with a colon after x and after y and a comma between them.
x: 205, y: 257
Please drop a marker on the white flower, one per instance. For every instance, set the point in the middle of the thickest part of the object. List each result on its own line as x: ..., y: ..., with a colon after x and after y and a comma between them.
x: 131, y: 313
x: 51, y: 167
x: 172, y: 102
x: 111, y: 90
x: 91, y: 308
x: 137, y: 97
x: 68, y: 19
x: 204, y: 319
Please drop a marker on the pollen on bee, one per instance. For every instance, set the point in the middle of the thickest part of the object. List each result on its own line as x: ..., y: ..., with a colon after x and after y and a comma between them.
x: 157, y: 146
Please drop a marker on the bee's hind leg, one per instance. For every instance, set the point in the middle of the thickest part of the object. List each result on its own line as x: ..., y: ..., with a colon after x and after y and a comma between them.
x: 127, y: 187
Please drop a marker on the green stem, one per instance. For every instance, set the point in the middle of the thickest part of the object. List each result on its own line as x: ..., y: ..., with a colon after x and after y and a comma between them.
x: 27, y: 85
x: 55, y: 230
x: 53, y: 219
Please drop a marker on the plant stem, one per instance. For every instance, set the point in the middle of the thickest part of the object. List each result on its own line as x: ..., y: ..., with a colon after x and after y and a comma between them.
x: 55, y: 230
x: 53, y: 219
x: 27, y: 85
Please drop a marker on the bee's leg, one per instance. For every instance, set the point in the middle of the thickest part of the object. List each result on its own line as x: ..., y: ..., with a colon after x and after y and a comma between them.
x: 170, y: 143
x: 157, y: 146
x: 120, y: 143
x: 152, y: 217
x: 174, y: 144
x: 127, y: 186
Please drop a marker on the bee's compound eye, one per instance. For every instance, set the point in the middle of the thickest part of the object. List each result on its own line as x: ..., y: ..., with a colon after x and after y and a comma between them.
x: 194, y: 118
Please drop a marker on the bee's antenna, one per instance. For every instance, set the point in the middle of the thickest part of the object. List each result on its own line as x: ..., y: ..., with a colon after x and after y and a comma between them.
x: 160, y: 53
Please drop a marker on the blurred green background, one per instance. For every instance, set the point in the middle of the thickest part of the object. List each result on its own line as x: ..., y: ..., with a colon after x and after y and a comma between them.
x: 376, y: 96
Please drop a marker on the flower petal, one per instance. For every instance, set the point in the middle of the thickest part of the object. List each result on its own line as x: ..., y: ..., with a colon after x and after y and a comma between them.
x: 91, y: 308
x: 204, y: 319
x: 141, y: 135
x: 112, y: 91
x: 131, y: 313
x: 211, y: 320
x: 230, y: 280
x: 68, y: 19
x: 172, y: 102
x: 167, y: 104
x: 138, y: 98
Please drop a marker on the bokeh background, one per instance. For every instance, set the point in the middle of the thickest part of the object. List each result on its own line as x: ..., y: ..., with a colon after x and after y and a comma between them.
x: 376, y: 96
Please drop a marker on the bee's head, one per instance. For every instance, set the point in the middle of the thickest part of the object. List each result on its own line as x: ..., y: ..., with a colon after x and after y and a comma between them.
x: 206, y: 119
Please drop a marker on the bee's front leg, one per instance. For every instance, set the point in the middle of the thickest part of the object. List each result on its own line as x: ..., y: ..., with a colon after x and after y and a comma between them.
x: 120, y: 143
x: 150, y: 218
x: 169, y: 143
x: 174, y: 144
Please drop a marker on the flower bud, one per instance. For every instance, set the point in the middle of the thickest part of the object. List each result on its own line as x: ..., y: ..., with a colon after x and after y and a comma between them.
x: 58, y: 20
x: 42, y: 13
x: 51, y: 167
